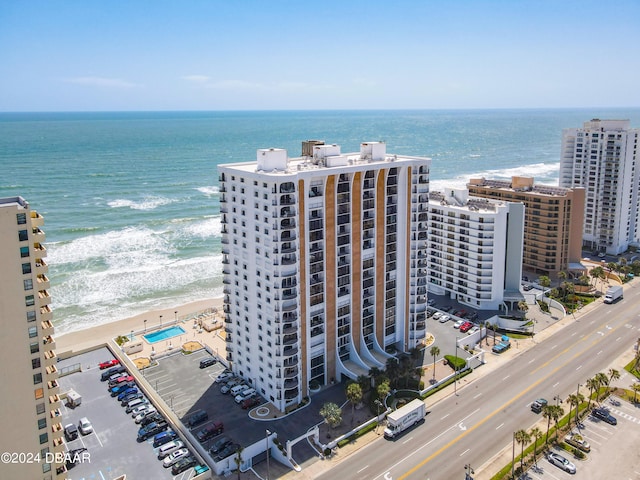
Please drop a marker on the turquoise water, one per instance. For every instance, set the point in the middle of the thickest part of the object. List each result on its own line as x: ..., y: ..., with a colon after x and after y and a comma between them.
x: 131, y: 200
x: 163, y: 334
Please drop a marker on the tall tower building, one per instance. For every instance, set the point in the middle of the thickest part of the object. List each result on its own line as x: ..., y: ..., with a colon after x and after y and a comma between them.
x: 325, y: 264
x: 30, y: 405
x: 602, y: 157
x: 475, y: 249
x: 553, y: 219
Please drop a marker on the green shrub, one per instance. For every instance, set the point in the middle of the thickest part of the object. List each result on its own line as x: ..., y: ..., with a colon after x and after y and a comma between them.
x: 456, y: 363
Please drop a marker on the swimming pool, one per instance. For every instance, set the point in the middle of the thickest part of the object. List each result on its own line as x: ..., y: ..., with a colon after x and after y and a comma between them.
x: 164, y: 334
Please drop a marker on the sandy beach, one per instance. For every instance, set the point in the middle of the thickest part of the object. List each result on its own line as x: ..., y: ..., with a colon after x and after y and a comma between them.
x: 74, y: 342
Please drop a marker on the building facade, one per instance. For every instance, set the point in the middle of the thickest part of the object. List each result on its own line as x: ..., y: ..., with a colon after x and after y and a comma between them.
x: 553, y: 219
x: 325, y: 264
x: 475, y: 249
x: 602, y: 157
x: 31, y: 404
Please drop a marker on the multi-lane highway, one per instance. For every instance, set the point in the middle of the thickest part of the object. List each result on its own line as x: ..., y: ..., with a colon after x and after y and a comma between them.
x: 473, y: 426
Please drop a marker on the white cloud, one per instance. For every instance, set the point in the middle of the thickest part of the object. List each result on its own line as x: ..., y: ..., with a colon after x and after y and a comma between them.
x: 102, y: 82
x: 196, y: 78
x: 235, y: 84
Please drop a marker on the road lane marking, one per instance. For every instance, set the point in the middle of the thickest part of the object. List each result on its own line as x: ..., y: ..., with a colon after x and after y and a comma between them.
x: 464, y: 452
x: 506, y: 377
x: 556, y: 384
x: 407, y: 440
x: 499, y: 426
x: 599, y: 352
x: 363, y: 469
x: 478, y: 395
x: 578, y: 367
x: 442, y: 418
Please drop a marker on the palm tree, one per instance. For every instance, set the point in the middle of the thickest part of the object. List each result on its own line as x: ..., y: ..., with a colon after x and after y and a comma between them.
x: 603, y: 381
x: 613, y: 375
x: 522, y: 437
x: 383, y: 389
x: 238, y: 459
x: 592, y: 384
x: 393, y: 370
x: 562, y: 276
x: 547, y: 412
x: 434, y: 352
x: 523, y: 306
x: 636, y: 388
x: 557, y: 413
x: 575, y: 399
x: 544, y: 281
x: 354, y: 395
x: 536, y: 433
x: 332, y: 414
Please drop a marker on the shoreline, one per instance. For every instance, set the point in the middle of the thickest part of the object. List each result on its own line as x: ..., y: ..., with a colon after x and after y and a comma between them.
x: 74, y: 342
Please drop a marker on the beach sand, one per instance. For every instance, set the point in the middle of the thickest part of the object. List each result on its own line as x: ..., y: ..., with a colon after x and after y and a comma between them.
x: 81, y: 340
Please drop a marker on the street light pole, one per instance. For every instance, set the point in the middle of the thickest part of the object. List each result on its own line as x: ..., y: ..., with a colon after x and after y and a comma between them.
x: 513, y: 455
x: 268, y: 433
x: 455, y: 376
x: 378, y: 404
x: 160, y: 321
x: 468, y: 471
x: 577, y: 404
x: 145, y: 325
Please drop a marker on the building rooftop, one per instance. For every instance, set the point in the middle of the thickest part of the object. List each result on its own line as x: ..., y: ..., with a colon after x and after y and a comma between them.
x: 521, y: 184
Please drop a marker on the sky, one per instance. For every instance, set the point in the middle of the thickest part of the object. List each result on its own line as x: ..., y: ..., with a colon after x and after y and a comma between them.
x: 154, y: 55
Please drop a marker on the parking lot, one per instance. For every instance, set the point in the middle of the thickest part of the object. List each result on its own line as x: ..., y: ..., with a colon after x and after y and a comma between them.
x: 186, y: 388
x: 112, y: 447
x: 613, y: 448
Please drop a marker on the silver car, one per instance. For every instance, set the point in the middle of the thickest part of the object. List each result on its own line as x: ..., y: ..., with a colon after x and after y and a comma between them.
x: 561, y: 462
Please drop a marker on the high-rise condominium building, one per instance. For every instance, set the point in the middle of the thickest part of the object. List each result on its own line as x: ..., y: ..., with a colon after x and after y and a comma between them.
x: 602, y: 157
x: 475, y: 249
x: 30, y: 404
x: 553, y: 218
x: 325, y: 264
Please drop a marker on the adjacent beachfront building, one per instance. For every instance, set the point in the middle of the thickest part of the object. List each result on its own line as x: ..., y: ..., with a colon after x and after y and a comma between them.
x: 325, y: 264
x: 553, y: 219
x: 602, y: 157
x: 475, y: 249
x: 30, y: 404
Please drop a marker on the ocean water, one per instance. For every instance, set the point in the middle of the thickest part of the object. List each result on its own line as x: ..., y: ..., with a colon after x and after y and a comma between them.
x: 131, y: 200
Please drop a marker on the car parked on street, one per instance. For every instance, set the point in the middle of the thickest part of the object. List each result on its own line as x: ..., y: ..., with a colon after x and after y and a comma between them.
x: 604, y: 415
x: 561, y: 462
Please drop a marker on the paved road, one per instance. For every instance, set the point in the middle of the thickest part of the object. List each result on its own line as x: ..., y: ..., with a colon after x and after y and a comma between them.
x: 472, y: 427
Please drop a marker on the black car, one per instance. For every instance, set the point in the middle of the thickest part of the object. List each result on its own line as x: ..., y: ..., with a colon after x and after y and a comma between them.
x: 183, y: 464
x: 152, y: 417
x: 227, y: 451
x: 219, y: 445
x: 207, y: 362
x: 150, y: 430
x: 71, y: 432
x: 604, y: 415
x: 75, y: 456
x: 197, y: 417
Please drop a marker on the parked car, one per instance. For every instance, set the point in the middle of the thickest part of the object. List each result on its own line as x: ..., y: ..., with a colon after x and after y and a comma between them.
x: 458, y: 323
x: 74, y: 456
x: 444, y: 318
x: 118, y: 389
x: 151, y: 430
x: 210, y: 431
x: 462, y: 313
x: 224, y: 453
x: 85, y: 427
x: 144, y: 414
x: 250, y: 402
x: 151, y: 418
x: 466, y: 326
x: 109, y: 364
x: 112, y: 371
x: 431, y: 302
x: 437, y: 315
x: 244, y: 395
x: 120, y: 380
x: 142, y: 409
x: 578, y: 441
x: 538, y: 405
x: 128, y: 391
x: 164, y: 437
x: 226, y: 388
x: 223, y: 376
x: 604, y: 415
x: 183, y: 464
x: 169, y: 448
x: 219, y: 445
x: 561, y: 462
x: 135, y: 403
x: 207, y: 362
x: 130, y: 398
x: 174, y: 457
x: 473, y: 330
x: 197, y: 417
x: 70, y: 432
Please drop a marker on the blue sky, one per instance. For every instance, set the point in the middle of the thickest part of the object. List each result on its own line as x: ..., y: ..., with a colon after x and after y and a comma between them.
x: 87, y: 55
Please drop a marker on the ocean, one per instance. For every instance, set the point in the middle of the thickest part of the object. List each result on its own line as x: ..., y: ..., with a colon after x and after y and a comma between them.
x: 131, y: 200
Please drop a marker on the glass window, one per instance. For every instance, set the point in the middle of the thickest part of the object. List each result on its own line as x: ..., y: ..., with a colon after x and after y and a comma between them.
x: 40, y: 408
x: 24, y: 252
x: 44, y: 438
x: 29, y: 300
x: 37, y: 379
x: 42, y: 423
x: 28, y: 284
x: 26, y: 268
x: 35, y: 347
x: 31, y: 316
x: 22, y: 218
x: 35, y: 363
x: 39, y: 393
x: 33, y: 332
x: 22, y: 235
x: 46, y: 467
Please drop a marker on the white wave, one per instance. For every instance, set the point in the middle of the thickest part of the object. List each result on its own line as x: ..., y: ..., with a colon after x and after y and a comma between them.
x: 207, y: 228
x: 548, y: 171
x: 148, y: 203
x: 209, y: 191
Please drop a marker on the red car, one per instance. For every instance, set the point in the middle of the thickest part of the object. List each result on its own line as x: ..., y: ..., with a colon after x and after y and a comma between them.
x: 250, y: 402
x: 466, y: 326
x: 109, y: 364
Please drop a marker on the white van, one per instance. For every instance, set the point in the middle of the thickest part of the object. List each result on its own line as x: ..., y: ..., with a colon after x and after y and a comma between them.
x: 238, y: 389
x: 249, y: 392
x: 136, y: 403
x: 168, y: 448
